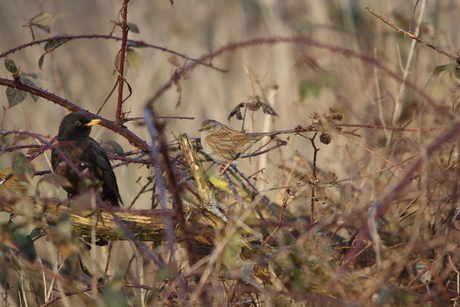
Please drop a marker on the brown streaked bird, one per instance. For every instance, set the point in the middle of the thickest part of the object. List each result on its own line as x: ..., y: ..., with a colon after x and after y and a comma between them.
x: 86, y: 154
x: 224, y: 144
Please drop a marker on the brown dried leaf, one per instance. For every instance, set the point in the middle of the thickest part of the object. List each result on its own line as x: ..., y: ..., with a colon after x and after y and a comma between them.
x: 56, y: 180
x: 267, y: 109
x: 12, y: 184
x: 32, y: 151
x: 253, y: 106
x: 237, y: 111
x: 174, y: 61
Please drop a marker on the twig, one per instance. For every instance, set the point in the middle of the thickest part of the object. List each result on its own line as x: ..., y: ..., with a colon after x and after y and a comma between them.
x: 387, y: 200
x: 388, y: 128
x: 130, y: 42
x: 418, y: 39
x: 233, y: 189
x: 48, y: 145
x: 374, y: 153
x: 123, y: 15
x: 280, y: 221
x: 257, y: 192
x: 162, y: 117
x: 315, y: 178
x: 157, y: 163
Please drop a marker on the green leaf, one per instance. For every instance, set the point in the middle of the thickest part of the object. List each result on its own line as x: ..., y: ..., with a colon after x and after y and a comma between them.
x: 22, y: 167
x: 133, y: 27
x: 55, y: 43
x: 309, y: 89
x: 11, y: 66
x: 457, y: 72
x: 134, y: 60
x: 30, y: 82
x: 40, y: 61
x: 165, y: 273
x: 42, y: 21
x: 112, y: 148
x: 452, y: 67
x: 27, y: 81
x: 15, y: 96
x: 114, y: 296
x: 330, y: 80
x: 33, y: 75
x: 25, y: 245
x: 438, y: 69
x: 35, y: 232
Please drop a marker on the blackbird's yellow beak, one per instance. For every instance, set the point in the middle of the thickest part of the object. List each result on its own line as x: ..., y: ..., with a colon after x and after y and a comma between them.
x: 93, y: 122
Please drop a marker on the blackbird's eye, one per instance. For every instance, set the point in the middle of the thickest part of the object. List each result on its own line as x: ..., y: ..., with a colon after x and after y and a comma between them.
x: 77, y: 123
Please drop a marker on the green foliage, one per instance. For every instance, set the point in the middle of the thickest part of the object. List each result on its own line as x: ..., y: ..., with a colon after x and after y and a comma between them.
x: 133, y: 27
x: 41, y: 60
x: 113, y: 294
x: 50, y: 46
x: 112, y: 148
x: 25, y: 245
x: 14, y: 95
x: 312, y: 88
x: 29, y: 82
x: 166, y: 273
x: 451, y: 68
x: 309, y: 88
x: 42, y: 21
x: 11, y: 66
x: 22, y: 167
x: 55, y: 43
x: 134, y: 60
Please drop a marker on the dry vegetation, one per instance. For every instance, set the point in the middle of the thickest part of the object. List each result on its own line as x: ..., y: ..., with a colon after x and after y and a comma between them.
x: 356, y: 207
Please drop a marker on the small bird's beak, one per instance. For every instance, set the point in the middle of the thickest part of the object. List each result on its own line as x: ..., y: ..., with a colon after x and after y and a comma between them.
x: 93, y: 122
x: 200, y: 129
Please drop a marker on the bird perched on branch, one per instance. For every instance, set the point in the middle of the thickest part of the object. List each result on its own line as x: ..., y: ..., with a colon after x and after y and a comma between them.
x: 86, y: 154
x: 224, y: 144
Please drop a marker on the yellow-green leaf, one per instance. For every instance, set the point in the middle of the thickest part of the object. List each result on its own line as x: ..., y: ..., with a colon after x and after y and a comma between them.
x: 457, y: 72
x: 133, y: 27
x: 42, y: 21
x: 439, y: 69
x: 22, y: 166
x: 12, y: 184
x: 134, y: 60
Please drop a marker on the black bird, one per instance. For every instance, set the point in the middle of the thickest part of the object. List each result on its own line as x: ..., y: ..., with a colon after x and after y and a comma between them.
x: 86, y: 154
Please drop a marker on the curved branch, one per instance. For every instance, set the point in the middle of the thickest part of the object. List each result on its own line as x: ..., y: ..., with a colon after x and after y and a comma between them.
x: 130, y: 43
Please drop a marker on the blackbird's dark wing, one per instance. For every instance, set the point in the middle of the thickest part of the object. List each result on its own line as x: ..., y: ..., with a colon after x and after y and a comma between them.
x: 103, y: 168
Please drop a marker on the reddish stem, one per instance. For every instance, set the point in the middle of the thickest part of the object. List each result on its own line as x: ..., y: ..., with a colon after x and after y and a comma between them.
x: 121, y: 79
